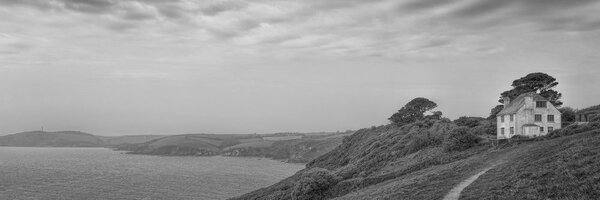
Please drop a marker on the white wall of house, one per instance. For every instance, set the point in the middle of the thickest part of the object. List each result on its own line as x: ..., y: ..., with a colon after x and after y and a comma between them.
x: 507, y: 124
x: 526, y: 116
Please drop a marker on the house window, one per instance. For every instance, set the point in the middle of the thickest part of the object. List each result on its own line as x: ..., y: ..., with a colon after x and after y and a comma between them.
x: 540, y: 104
x: 502, y: 118
x: 550, y: 118
x: 512, y: 118
x: 512, y: 130
x: 502, y: 131
x: 541, y: 129
x: 538, y: 118
x: 550, y: 129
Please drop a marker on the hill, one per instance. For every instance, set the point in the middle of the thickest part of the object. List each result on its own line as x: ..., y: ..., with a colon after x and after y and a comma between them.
x: 128, y: 139
x: 70, y: 139
x: 292, y: 147
x: 51, y: 139
x: 185, y: 145
x: 426, y: 159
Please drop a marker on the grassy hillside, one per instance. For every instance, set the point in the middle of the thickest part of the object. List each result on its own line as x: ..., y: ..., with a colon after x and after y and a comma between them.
x: 293, y: 150
x: 128, y: 139
x: 426, y: 159
x: 561, y: 168
x: 70, y: 139
x: 51, y: 139
x: 186, y: 145
x: 292, y: 147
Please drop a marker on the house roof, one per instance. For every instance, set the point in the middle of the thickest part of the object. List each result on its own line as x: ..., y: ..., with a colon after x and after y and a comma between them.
x: 518, y: 102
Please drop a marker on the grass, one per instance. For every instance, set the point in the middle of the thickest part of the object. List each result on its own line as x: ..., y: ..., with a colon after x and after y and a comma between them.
x: 289, y: 147
x: 562, y: 168
x: 389, y: 162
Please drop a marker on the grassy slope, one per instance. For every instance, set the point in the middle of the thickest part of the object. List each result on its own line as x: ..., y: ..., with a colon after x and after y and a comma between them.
x: 277, y: 146
x: 128, y: 139
x: 51, y: 139
x: 562, y: 168
x: 396, y: 163
x: 185, y: 145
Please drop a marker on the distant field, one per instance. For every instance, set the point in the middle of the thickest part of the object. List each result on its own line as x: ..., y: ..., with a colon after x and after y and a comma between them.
x: 280, y: 138
x: 257, y: 144
x: 129, y: 139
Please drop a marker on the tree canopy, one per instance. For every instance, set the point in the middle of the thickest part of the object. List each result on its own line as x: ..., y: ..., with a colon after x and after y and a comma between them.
x: 568, y: 115
x: 495, y: 111
x: 413, y: 111
x: 468, y: 121
x: 538, y: 82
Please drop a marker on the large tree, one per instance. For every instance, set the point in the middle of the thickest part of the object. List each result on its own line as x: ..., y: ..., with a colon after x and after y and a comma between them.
x: 538, y: 82
x: 567, y: 116
x: 412, y: 111
x: 495, y: 111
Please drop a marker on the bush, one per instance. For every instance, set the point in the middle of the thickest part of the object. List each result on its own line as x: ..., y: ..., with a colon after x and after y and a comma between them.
x: 468, y: 121
x: 313, y: 184
x: 484, y: 128
x: 460, y: 139
x: 422, y: 141
x: 574, y: 129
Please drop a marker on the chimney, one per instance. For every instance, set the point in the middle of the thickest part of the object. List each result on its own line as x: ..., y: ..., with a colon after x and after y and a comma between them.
x: 506, y: 101
x: 529, y: 101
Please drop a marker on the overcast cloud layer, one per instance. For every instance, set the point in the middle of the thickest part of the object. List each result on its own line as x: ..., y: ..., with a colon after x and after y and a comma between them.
x: 181, y: 66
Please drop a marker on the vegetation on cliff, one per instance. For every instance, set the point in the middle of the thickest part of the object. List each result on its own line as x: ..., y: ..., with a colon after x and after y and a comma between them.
x: 415, y: 162
x: 425, y: 159
x: 291, y: 147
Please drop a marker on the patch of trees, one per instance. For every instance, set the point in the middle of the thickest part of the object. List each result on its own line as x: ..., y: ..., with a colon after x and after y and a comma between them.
x: 313, y: 184
x: 538, y: 82
x: 568, y: 115
x: 495, y: 111
x: 460, y: 139
x: 414, y: 111
x: 468, y: 121
x: 575, y: 129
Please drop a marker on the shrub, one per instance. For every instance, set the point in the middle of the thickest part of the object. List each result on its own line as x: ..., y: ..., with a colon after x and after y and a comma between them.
x: 313, y: 184
x: 574, y: 129
x: 468, y: 121
x: 460, y: 139
x: 421, y: 141
x: 413, y: 111
x: 484, y: 128
x: 595, y: 118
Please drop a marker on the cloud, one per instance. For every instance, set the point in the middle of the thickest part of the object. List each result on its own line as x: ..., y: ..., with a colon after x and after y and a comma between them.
x: 11, y: 45
x: 172, y: 11
x: 121, y: 26
x: 89, y: 6
x: 380, y: 27
x: 138, y: 75
x: 559, y: 15
x: 223, y: 6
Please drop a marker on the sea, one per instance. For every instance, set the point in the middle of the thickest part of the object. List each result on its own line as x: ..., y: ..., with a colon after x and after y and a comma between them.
x: 99, y: 173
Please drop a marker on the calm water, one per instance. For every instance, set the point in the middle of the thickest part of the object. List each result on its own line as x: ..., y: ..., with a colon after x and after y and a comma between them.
x: 97, y: 173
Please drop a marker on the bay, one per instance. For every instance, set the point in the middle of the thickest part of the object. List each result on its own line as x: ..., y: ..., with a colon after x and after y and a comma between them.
x: 99, y: 173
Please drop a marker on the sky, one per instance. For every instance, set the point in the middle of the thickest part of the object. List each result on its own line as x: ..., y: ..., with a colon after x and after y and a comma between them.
x: 116, y: 67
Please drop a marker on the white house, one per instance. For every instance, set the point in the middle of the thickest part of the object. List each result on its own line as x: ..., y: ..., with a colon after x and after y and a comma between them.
x: 529, y: 115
